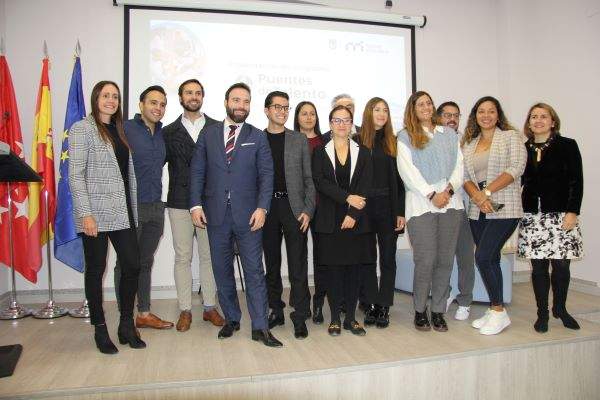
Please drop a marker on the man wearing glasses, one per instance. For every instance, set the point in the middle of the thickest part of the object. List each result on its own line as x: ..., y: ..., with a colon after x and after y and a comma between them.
x: 449, y: 114
x: 292, y: 207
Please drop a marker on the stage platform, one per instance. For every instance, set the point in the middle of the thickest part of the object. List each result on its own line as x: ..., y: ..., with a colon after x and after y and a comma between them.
x: 60, y: 360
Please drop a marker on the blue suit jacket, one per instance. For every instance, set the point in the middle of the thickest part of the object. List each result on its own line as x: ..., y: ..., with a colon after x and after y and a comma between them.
x: 248, y: 179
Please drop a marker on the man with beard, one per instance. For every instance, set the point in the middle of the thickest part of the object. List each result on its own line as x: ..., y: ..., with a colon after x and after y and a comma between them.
x: 231, y: 188
x: 145, y: 139
x: 449, y: 114
x: 180, y: 138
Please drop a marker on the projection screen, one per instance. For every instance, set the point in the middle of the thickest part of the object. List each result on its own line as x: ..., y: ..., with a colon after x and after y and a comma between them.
x: 309, y: 58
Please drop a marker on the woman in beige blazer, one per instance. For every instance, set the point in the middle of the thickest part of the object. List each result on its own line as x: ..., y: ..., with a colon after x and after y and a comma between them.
x: 495, y: 157
x: 103, y: 189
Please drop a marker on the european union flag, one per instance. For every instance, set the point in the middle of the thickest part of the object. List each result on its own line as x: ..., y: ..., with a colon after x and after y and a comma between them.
x: 68, y: 247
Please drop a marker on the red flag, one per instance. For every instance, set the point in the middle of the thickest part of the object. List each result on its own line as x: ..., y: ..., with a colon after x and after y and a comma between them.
x: 42, y: 162
x: 10, y: 132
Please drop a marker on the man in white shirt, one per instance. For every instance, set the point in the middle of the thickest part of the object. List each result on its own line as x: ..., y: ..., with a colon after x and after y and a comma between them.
x: 180, y: 138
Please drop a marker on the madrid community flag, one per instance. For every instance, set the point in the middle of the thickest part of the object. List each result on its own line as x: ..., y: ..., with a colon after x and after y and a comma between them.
x: 42, y: 195
x: 10, y: 132
x: 68, y: 247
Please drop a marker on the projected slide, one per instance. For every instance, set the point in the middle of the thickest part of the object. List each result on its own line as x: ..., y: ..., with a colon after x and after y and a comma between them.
x: 309, y: 59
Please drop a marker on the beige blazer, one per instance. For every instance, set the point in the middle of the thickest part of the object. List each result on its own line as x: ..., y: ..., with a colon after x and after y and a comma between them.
x: 507, y: 154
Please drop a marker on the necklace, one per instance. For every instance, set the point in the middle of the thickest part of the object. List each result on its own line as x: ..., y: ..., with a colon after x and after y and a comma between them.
x: 540, y: 147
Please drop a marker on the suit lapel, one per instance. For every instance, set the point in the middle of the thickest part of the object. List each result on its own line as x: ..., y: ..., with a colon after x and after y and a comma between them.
x: 496, y: 139
x: 354, y: 148
x: 287, y: 150
x: 242, y: 136
x: 331, y: 154
x: 220, y: 137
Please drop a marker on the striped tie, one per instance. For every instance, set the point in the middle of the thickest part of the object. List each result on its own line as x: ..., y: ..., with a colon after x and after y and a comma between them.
x: 229, y: 143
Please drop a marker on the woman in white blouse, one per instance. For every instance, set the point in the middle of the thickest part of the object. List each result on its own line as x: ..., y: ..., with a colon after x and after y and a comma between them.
x: 430, y: 163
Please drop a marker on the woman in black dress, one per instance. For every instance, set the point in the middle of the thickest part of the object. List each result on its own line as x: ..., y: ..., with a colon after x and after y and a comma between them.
x: 552, y: 193
x: 342, y: 172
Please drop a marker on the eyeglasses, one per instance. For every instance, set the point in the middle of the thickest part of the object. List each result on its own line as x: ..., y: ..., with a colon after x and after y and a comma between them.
x: 451, y: 115
x: 339, y: 121
x: 279, y: 107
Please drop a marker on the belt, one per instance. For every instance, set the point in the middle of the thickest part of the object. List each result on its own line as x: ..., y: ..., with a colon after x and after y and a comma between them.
x: 279, y: 195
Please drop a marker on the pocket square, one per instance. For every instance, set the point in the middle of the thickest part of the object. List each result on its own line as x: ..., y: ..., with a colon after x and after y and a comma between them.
x: 248, y: 144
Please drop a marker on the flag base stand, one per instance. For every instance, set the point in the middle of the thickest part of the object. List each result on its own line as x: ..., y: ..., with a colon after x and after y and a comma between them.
x: 81, y: 312
x: 14, y: 311
x: 50, y: 311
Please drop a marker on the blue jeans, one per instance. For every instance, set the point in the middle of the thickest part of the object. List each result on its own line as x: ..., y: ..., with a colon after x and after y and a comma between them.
x: 489, y: 236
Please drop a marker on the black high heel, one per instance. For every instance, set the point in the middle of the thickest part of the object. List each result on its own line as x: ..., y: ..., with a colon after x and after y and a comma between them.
x: 129, y: 335
x: 566, y: 318
x: 103, y: 342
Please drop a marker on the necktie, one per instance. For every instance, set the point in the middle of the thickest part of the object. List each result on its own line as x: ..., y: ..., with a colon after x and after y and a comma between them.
x: 229, y: 143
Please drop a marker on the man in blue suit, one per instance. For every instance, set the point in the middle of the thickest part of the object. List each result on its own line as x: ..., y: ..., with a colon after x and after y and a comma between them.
x: 231, y: 187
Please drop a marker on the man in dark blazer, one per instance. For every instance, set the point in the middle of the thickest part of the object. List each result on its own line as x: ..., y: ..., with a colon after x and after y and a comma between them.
x: 292, y: 208
x: 231, y: 188
x: 180, y: 138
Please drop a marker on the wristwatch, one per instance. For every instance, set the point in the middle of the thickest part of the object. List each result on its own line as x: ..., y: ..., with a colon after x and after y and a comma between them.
x: 487, y: 192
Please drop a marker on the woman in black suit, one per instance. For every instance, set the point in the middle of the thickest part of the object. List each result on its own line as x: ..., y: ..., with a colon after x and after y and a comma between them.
x: 342, y: 172
x: 385, y: 209
x: 552, y: 193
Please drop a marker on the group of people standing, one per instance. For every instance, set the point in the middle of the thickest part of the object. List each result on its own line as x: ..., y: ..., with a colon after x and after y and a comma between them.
x: 354, y: 188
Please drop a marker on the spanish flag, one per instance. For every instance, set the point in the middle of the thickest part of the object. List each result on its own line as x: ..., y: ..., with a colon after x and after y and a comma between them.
x: 42, y: 162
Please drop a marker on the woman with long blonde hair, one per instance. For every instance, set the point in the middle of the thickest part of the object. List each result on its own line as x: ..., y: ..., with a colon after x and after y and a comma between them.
x: 430, y: 163
x: 385, y: 209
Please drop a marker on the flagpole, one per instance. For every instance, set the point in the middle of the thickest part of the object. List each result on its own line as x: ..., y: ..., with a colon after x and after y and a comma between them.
x: 51, y: 310
x: 14, y: 310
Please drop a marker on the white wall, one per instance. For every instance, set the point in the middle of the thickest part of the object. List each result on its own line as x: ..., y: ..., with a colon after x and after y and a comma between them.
x: 551, y: 53
x: 468, y: 49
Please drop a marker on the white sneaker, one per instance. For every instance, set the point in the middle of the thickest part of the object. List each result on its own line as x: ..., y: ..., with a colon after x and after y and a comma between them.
x: 496, y: 323
x: 462, y: 313
x: 479, y: 322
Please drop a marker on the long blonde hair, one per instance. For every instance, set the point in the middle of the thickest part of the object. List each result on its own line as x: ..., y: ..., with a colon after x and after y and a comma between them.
x: 367, y: 131
x: 417, y: 135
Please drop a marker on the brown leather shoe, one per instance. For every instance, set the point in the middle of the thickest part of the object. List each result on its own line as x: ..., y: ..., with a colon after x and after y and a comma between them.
x: 214, y: 317
x: 184, y: 322
x: 152, y: 321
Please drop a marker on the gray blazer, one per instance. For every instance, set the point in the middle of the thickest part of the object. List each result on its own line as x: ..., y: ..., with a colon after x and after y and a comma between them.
x: 507, y: 154
x: 298, y: 173
x: 96, y: 184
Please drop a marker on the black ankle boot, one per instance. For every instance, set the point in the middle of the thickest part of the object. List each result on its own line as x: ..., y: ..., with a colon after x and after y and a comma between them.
x: 371, y: 314
x: 383, y: 320
x: 566, y: 318
x: 103, y: 342
x: 129, y: 335
x: 541, y: 325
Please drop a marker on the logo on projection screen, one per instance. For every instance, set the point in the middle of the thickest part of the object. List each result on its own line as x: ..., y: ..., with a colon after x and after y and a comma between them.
x: 175, y: 54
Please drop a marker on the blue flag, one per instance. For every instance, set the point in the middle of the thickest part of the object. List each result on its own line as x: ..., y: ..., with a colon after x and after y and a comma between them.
x: 68, y: 247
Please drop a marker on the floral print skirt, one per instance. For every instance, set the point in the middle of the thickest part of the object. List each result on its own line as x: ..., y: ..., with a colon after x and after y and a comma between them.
x: 541, y: 236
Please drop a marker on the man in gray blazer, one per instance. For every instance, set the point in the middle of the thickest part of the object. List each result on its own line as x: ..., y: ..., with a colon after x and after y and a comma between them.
x: 292, y: 208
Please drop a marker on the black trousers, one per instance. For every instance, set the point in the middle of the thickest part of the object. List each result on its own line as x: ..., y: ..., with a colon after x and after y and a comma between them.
x: 318, y: 273
x: 343, y: 284
x: 281, y: 223
x: 382, y: 292
x: 95, y: 250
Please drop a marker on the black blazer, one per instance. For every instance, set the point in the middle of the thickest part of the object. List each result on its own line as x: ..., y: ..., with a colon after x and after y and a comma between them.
x: 397, y: 192
x: 180, y: 149
x: 331, y: 194
x: 557, y: 181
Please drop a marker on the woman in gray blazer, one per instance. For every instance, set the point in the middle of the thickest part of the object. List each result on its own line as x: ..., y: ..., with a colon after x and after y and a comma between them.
x: 495, y: 157
x: 103, y: 188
